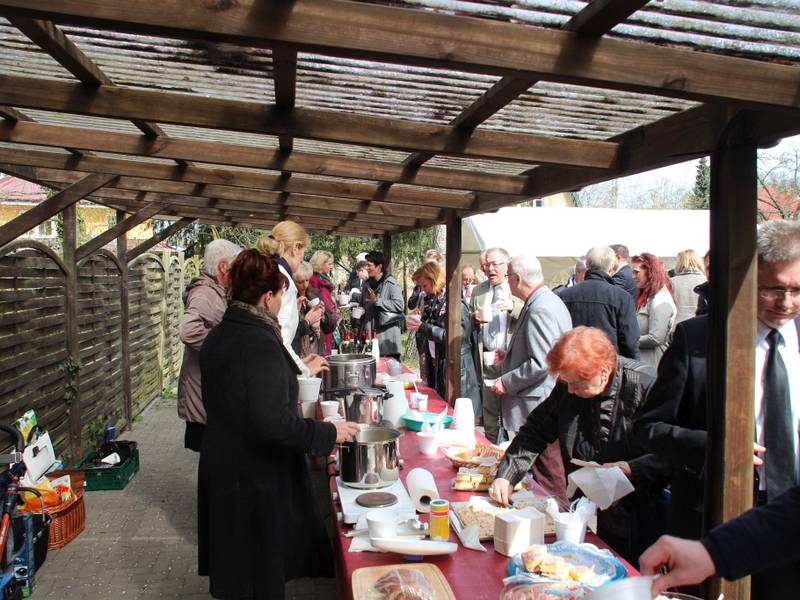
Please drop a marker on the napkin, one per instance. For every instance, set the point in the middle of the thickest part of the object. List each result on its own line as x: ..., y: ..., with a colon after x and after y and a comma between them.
x: 602, y: 485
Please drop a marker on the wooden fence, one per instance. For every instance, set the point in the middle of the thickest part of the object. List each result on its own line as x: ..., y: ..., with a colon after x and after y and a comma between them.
x: 35, y: 369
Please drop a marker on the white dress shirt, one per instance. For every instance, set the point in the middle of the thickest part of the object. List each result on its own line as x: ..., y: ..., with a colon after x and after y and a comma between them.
x: 494, y: 332
x: 790, y: 353
x: 289, y: 319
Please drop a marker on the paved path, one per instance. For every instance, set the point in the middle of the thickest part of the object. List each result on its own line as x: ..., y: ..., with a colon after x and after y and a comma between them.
x: 141, y: 542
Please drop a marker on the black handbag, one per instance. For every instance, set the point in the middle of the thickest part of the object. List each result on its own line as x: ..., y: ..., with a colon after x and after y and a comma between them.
x: 385, y: 319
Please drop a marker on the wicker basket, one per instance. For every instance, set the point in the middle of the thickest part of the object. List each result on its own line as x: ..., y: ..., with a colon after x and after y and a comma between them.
x: 68, y: 519
x: 462, y: 456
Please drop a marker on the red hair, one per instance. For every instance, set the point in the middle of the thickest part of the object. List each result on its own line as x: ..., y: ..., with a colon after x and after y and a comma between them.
x: 586, y: 350
x: 657, y: 277
x: 252, y: 275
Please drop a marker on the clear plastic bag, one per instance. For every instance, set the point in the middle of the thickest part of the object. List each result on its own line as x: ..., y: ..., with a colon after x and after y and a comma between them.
x: 404, y: 584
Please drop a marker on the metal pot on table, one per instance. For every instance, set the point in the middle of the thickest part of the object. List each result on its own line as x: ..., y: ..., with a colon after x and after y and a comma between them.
x: 372, y: 460
x: 365, y: 405
x: 350, y: 371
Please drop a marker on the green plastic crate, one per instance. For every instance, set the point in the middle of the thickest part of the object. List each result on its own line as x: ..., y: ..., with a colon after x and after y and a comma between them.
x: 111, y: 478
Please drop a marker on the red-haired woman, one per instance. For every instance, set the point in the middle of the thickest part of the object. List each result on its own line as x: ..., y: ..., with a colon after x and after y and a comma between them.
x: 257, y: 523
x: 589, y: 413
x: 655, y: 307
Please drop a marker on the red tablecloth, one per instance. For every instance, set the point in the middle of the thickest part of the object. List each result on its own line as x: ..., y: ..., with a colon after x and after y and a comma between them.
x: 471, y: 574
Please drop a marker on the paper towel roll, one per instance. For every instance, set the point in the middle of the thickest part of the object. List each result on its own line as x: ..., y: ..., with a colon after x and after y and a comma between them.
x: 422, y: 489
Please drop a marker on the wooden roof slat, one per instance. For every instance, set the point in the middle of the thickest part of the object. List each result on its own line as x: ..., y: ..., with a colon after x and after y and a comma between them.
x: 252, y: 156
x: 12, y: 114
x: 235, y: 178
x: 185, y: 109
x: 342, y: 28
x: 284, y: 73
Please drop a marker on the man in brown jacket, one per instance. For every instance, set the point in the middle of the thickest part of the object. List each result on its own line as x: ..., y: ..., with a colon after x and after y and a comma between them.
x: 204, y: 302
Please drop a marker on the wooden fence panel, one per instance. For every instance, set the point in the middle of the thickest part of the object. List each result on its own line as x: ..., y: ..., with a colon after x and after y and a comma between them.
x: 99, y: 331
x: 33, y: 337
x: 173, y: 348
x: 146, y: 280
x: 191, y: 269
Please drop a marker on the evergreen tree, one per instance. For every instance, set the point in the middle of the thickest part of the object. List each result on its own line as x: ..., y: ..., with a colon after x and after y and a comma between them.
x: 702, y: 185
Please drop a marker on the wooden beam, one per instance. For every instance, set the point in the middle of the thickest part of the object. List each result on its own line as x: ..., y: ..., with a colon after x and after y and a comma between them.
x: 238, y: 115
x: 387, y: 250
x: 68, y: 242
x: 453, y: 278
x: 731, y: 369
x: 52, y: 206
x: 120, y: 228
x: 284, y: 75
x: 261, y: 158
x: 237, y: 178
x: 387, y: 34
x: 157, y: 238
x: 124, y: 324
x: 12, y: 114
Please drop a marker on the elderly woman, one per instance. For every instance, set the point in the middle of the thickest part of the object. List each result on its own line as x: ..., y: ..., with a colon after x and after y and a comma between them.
x: 589, y: 412
x: 287, y: 244
x: 655, y: 307
x: 432, y: 328
x: 256, y: 514
x: 322, y: 263
x: 313, y: 324
x: 689, y: 273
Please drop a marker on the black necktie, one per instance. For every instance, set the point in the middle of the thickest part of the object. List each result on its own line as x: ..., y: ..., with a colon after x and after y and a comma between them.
x: 778, y: 430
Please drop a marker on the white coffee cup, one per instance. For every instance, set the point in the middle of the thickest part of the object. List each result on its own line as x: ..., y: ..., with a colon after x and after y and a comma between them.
x: 489, y: 357
x: 572, y: 530
x: 382, y: 523
x: 329, y: 408
x: 344, y: 299
x: 313, y: 302
x: 428, y: 442
x: 422, y: 404
x: 357, y: 312
x: 309, y: 388
x: 486, y: 314
x: 308, y: 409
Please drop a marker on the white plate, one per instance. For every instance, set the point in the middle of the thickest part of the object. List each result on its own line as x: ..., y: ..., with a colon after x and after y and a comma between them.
x: 415, y: 547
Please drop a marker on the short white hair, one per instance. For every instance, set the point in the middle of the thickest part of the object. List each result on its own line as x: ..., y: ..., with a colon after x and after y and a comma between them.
x: 303, y: 271
x: 528, y: 268
x: 600, y: 258
x: 779, y: 241
x: 216, y: 251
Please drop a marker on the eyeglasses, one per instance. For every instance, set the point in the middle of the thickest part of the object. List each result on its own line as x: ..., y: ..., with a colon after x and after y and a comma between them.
x: 777, y: 293
x: 495, y: 265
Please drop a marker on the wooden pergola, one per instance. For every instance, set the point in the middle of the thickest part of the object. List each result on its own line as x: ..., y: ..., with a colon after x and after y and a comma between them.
x: 360, y: 118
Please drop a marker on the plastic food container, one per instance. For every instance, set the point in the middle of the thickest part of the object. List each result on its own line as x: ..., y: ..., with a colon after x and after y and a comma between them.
x: 525, y: 589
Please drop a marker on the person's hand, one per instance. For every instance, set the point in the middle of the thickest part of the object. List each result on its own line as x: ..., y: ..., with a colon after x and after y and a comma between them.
x: 314, y: 316
x: 346, y: 431
x: 498, y: 387
x: 301, y: 302
x: 371, y: 297
x: 687, y: 562
x: 505, y: 304
x: 499, y: 357
x: 413, y: 324
x: 758, y: 454
x: 500, y: 491
x: 623, y: 466
x: 315, y: 363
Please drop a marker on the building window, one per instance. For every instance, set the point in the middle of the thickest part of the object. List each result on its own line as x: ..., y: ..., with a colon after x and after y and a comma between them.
x: 538, y: 203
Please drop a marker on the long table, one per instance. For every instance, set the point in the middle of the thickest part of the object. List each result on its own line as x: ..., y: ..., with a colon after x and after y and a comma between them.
x: 471, y: 574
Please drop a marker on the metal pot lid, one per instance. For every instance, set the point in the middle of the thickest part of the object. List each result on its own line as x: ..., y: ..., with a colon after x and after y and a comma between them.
x: 350, y: 359
x: 376, y: 499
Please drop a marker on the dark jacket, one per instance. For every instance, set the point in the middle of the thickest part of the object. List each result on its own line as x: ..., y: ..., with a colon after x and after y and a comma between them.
x: 306, y: 340
x: 703, y: 292
x: 597, y: 302
x: 389, y: 299
x: 597, y: 429
x: 257, y: 523
x: 624, y: 279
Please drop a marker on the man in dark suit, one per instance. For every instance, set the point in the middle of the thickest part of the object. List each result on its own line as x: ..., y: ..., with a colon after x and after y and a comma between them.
x: 672, y: 422
x: 597, y: 302
x: 760, y: 539
x: 623, y: 274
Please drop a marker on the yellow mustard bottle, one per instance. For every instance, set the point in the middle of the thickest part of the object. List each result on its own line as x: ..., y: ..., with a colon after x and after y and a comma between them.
x: 440, y: 520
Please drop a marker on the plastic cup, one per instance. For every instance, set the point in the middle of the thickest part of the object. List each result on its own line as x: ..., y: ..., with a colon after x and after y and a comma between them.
x: 486, y: 314
x: 309, y: 388
x: 382, y: 523
x: 308, y: 409
x: 488, y: 358
x: 313, y: 302
x: 428, y: 442
x: 357, y: 312
x: 344, y: 299
x: 329, y: 408
x: 573, y: 531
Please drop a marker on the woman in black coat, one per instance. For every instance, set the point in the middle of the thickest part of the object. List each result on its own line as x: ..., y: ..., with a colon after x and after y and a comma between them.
x: 257, y: 524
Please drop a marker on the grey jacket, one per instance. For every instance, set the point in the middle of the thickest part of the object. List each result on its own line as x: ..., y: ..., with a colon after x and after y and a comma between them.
x: 656, y: 323
x: 390, y: 300
x: 204, y: 302
x: 683, y: 285
x: 543, y: 320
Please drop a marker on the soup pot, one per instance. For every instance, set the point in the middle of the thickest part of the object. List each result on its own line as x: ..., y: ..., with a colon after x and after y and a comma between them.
x: 365, y: 406
x: 372, y: 460
x: 349, y: 371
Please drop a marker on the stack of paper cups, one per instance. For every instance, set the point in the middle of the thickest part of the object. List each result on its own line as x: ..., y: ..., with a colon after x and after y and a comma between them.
x: 422, y: 489
x: 463, y: 415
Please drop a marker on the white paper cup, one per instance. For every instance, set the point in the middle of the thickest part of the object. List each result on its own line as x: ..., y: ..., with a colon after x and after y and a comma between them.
x: 630, y: 588
x: 344, y: 299
x: 422, y: 404
x: 428, y: 442
x: 382, y: 523
x: 313, y: 302
x: 357, y: 312
x: 488, y: 358
x: 573, y: 531
x: 415, y: 398
x: 309, y: 388
x: 486, y: 314
x: 329, y: 408
x: 308, y: 409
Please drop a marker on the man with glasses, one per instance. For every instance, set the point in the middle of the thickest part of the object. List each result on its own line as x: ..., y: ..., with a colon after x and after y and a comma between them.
x: 673, y: 421
x: 495, y: 312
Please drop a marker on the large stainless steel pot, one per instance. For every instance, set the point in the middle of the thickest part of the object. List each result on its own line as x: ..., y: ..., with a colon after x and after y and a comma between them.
x: 349, y: 371
x: 365, y: 406
x: 372, y: 460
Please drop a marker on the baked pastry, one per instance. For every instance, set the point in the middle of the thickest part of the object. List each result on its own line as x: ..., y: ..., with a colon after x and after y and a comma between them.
x: 404, y: 584
x: 537, y: 560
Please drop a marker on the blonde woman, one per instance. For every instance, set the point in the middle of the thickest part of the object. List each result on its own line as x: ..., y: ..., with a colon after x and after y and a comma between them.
x: 322, y: 263
x: 286, y: 245
x: 689, y: 273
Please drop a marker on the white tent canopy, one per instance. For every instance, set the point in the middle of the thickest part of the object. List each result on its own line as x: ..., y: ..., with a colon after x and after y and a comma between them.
x: 557, y: 235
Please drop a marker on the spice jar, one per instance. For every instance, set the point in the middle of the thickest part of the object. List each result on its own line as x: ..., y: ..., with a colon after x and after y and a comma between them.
x: 440, y: 520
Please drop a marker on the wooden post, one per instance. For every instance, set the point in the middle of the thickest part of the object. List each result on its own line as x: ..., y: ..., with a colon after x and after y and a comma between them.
x: 453, y: 279
x: 70, y: 223
x: 124, y: 313
x: 387, y: 251
x: 731, y: 362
